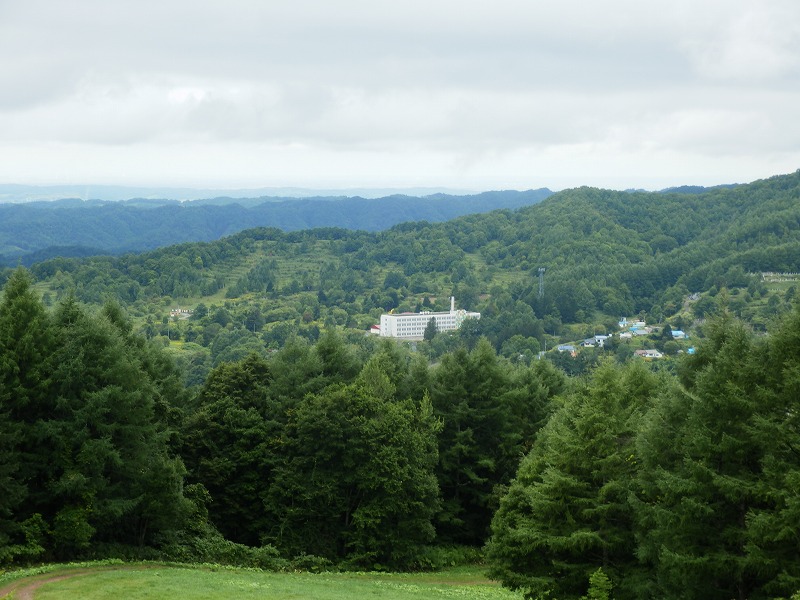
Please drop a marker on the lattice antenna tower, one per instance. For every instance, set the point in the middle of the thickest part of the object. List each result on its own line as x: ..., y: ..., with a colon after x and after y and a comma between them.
x: 541, y: 281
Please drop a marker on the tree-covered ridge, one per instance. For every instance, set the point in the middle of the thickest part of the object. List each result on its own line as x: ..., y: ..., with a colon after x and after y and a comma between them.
x: 606, y: 254
x: 35, y: 229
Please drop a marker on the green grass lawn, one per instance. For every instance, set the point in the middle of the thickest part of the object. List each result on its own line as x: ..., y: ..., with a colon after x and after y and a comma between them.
x: 151, y: 581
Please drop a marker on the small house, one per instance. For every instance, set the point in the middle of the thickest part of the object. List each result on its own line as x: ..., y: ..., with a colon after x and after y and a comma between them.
x: 650, y: 354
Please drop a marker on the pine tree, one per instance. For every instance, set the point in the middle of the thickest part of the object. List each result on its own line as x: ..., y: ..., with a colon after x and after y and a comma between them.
x: 356, y: 479
x: 567, y: 514
x: 717, y: 484
x: 229, y: 441
x: 468, y: 394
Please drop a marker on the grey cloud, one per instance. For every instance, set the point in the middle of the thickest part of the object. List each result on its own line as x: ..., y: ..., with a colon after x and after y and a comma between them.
x: 470, y: 84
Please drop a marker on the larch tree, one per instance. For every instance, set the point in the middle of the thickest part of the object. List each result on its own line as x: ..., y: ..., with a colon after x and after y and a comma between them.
x: 26, y: 343
x: 567, y: 513
x: 356, y: 480
x: 468, y: 394
x: 430, y: 330
x: 12, y: 491
x: 716, y: 495
x: 112, y: 477
x: 774, y: 533
x: 93, y: 459
x: 338, y: 363
x: 229, y: 440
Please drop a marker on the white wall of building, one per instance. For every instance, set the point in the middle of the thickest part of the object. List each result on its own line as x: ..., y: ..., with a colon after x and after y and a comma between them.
x: 412, y: 325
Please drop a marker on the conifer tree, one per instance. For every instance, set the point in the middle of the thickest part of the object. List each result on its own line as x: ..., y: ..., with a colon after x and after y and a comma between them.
x: 468, y: 394
x: 529, y: 397
x: 11, y: 490
x: 356, y: 479
x: 111, y: 476
x: 717, y: 480
x: 338, y: 363
x: 92, y: 459
x: 296, y: 371
x: 157, y: 366
x: 26, y: 343
x: 774, y: 533
x: 417, y: 383
x: 229, y: 441
x: 430, y: 330
x: 567, y: 514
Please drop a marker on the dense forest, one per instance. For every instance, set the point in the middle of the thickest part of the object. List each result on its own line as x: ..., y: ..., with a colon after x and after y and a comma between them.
x: 606, y: 254
x: 34, y: 231
x: 267, y: 428
x: 656, y: 484
x: 680, y: 487
x: 363, y: 456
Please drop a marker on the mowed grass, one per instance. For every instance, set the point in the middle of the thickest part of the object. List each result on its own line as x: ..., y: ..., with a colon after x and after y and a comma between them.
x: 151, y: 582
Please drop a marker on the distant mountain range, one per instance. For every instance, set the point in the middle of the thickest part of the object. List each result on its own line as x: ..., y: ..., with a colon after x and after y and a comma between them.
x: 34, y: 231
x: 17, y: 193
x: 606, y: 254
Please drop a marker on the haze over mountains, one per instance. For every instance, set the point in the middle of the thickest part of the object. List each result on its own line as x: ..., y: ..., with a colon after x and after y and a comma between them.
x: 41, y: 222
x: 35, y: 231
x: 18, y: 193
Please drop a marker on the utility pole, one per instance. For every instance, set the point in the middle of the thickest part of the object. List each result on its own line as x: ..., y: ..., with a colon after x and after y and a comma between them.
x: 541, y: 281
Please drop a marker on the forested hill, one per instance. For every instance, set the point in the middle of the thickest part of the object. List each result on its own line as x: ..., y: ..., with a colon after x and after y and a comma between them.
x: 259, y: 425
x: 606, y: 254
x: 76, y: 228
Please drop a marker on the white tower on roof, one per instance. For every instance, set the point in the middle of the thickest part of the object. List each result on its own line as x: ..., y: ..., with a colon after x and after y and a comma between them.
x: 412, y: 325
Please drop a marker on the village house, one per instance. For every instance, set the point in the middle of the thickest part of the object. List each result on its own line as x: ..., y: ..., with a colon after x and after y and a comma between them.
x: 648, y: 354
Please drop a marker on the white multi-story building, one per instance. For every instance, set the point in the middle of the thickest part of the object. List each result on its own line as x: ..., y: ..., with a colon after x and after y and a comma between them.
x: 412, y: 325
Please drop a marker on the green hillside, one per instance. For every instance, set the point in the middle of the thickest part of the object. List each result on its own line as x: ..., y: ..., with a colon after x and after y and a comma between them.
x: 256, y: 424
x: 607, y: 254
x: 35, y: 231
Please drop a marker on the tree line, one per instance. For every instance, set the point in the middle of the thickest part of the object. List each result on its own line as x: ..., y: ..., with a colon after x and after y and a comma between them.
x: 358, y: 457
x: 34, y: 231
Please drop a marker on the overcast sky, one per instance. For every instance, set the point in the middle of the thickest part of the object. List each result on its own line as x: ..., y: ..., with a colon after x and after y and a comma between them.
x: 508, y: 94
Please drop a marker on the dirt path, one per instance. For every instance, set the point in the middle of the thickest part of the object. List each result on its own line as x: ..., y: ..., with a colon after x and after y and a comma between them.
x: 24, y: 589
